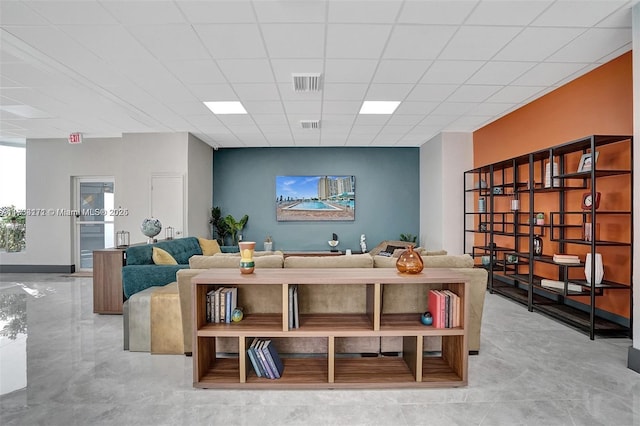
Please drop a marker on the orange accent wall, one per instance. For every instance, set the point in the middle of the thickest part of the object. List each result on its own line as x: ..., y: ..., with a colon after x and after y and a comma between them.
x: 600, y: 102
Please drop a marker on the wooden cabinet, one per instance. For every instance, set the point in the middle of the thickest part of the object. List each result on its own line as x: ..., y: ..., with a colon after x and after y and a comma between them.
x: 554, y: 190
x: 107, y: 281
x: 268, y: 318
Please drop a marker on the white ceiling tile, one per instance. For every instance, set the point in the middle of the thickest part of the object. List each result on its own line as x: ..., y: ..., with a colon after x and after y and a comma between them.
x: 213, y: 92
x: 478, y: 43
x: 344, y: 91
x: 257, y: 91
x: 18, y: 13
x: 263, y: 107
x: 507, y: 12
x: 390, y: 130
x: 341, y: 107
x: 284, y: 68
x: 433, y: 121
x: 367, y: 130
x: 514, y: 94
x: 294, y: 40
x: 417, y: 41
x: 73, y: 12
x: 431, y: 92
x: 338, y: 119
x: 206, y: 122
x: 592, y: 45
x: 271, y: 119
x: 303, y: 107
x: 237, y: 120
x: 388, y: 92
x: 500, y: 72
x: 413, y: 107
x: 450, y: 72
x: 491, y: 109
x: 349, y: 70
x: 577, y: 13
x: 548, y: 73
x: 189, y: 108
x: 536, y: 44
x: 370, y: 11
x: 232, y: 40
x: 469, y: 123
x: 611, y: 56
x: 274, y: 128
x: 219, y: 11
x: 436, y: 12
x: 356, y: 40
x: 290, y: 11
x: 454, y: 108
x: 399, y: 71
x: 170, y: 42
x: 144, y: 12
x: 371, y: 120
x: 246, y: 70
x: 473, y: 93
x: 196, y: 72
x: 288, y: 94
x: 619, y: 19
x: 405, y: 119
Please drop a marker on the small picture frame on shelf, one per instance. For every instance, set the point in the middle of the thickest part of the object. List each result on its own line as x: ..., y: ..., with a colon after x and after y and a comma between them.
x: 587, y: 161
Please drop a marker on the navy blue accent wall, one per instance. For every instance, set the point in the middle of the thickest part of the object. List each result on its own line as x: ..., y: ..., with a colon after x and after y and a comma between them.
x: 387, y: 193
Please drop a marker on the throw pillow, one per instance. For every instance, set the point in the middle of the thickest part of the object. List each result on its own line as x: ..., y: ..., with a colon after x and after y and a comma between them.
x: 209, y: 247
x: 162, y: 257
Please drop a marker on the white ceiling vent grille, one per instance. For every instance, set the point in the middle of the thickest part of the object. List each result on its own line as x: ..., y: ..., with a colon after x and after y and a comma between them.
x: 306, y: 82
x: 310, y: 124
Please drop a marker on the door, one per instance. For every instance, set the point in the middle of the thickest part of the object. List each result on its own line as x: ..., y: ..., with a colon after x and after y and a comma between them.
x: 167, y: 203
x: 94, y: 230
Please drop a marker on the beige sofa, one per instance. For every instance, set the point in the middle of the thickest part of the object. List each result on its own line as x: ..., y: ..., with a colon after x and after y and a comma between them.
x: 255, y: 299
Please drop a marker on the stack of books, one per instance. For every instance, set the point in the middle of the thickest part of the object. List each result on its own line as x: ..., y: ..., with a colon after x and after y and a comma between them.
x: 220, y: 304
x: 559, y: 285
x: 571, y: 259
x: 294, y: 318
x: 445, y: 308
x: 265, y: 359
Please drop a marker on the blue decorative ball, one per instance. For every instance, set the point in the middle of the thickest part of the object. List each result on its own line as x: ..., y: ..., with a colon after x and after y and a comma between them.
x: 237, y: 315
x: 426, y: 318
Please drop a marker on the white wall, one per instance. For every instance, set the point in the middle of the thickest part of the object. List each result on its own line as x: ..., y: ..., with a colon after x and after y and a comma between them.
x: 636, y: 176
x: 199, y: 188
x: 131, y: 160
x: 443, y: 161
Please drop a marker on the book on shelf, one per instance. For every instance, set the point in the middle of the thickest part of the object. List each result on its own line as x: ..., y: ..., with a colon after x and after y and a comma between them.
x: 566, y: 258
x: 559, y: 285
x: 254, y: 358
x: 290, y: 306
x: 265, y: 360
x: 273, y: 359
x: 296, y: 316
x: 445, y: 308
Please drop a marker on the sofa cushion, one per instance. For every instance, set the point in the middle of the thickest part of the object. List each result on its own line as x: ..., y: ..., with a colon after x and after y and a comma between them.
x: 209, y: 247
x: 224, y: 261
x: 180, y: 248
x: 447, y: 261
x: 161, y: 257
x: 351, y: 261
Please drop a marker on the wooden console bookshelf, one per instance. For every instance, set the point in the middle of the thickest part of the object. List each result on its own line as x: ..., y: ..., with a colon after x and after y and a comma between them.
x: 107, y: 281
x: 330, y: 370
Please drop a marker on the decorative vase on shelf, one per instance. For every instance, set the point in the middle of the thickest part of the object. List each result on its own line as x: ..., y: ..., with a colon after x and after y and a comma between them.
x: 150, y: 228
x: 537, y: 245
x: 410, y: 262
x: 247, y: 265
x: 599, y: 273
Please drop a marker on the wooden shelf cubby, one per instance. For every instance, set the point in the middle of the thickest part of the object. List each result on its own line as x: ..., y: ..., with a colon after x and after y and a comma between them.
x: 336, y: 306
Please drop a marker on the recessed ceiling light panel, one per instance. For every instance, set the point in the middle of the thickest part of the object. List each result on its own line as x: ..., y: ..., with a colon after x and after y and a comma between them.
x: 379, y: 107
x: 233, y: 107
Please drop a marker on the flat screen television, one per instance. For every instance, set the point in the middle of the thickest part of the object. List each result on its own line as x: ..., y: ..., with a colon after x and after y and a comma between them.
x: 315, y: 198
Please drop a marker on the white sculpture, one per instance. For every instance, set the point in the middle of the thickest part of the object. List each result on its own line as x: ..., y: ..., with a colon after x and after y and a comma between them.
x: 363, y: 244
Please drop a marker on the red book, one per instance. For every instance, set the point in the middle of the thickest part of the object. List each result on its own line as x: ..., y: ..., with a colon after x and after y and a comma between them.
x: 433, y: 304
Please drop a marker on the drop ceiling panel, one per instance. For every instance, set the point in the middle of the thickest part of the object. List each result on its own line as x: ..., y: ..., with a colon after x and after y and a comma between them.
x: 170, y: 42
x: 379, y: 12
x: 257, y: 92
x: 413, y: 108
x: 338, y: 107
x: 400, y: 71
x: 451, y: 72
x: 527, y: 45
x: 189, y: 108
x: 388, y: 92
x: 288, y: 94
x: 263, y: 107
x: 213, y: 92
x: 500, y: 72
x: 349, y: 70
x: 344, y: 91
x: 491, y: 109
x: 514, y: 94
x: 196, y: 72
x: 290, y: 11
x: 577, y: 13
x: 294, y: 40
x: 405, y: 120
x: 418, y: 41
x: 547, y: 73
x: 473, y: 93
x: 478, y: 43
x: 431, y: 12
x: 356, y: 40
x: 303, y: 107
x: 246, y: 70
x: 283, y: 68
x: 337, y: 119
x: 431, y: 92
x: 619, y: 19
x: 219, y: 11
x: 506, y: 12
x: 73, y: 12
x: 144, y: 12
x: 592, y: 45
x: 232, y: 40
x: 275, y: 119
x: 18, y: 13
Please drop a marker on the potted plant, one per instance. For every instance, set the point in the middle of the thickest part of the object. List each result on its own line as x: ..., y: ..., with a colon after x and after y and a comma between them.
x: 219, y: 229
x: 235, y: 227
x: 410, y: 238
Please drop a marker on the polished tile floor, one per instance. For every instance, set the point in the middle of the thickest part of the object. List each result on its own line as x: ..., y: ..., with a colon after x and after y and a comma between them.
x: 69, y: 369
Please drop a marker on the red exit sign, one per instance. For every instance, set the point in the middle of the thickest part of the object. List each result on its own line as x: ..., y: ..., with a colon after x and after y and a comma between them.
x: 75, y: 137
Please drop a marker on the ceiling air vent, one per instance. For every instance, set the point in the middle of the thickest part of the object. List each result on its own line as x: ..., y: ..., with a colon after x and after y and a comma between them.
x: 306, y: 82
x: 310, y: 124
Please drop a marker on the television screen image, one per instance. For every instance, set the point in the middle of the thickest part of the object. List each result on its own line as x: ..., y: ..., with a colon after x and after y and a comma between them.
x: 315, y: 198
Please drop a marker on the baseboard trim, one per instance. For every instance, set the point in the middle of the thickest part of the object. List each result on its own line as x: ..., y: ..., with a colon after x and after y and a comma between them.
x: 633, y: 360
x: 38, y: 269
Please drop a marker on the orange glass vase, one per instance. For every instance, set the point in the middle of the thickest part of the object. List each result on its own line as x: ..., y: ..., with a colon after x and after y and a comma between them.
x: 410, y: 262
